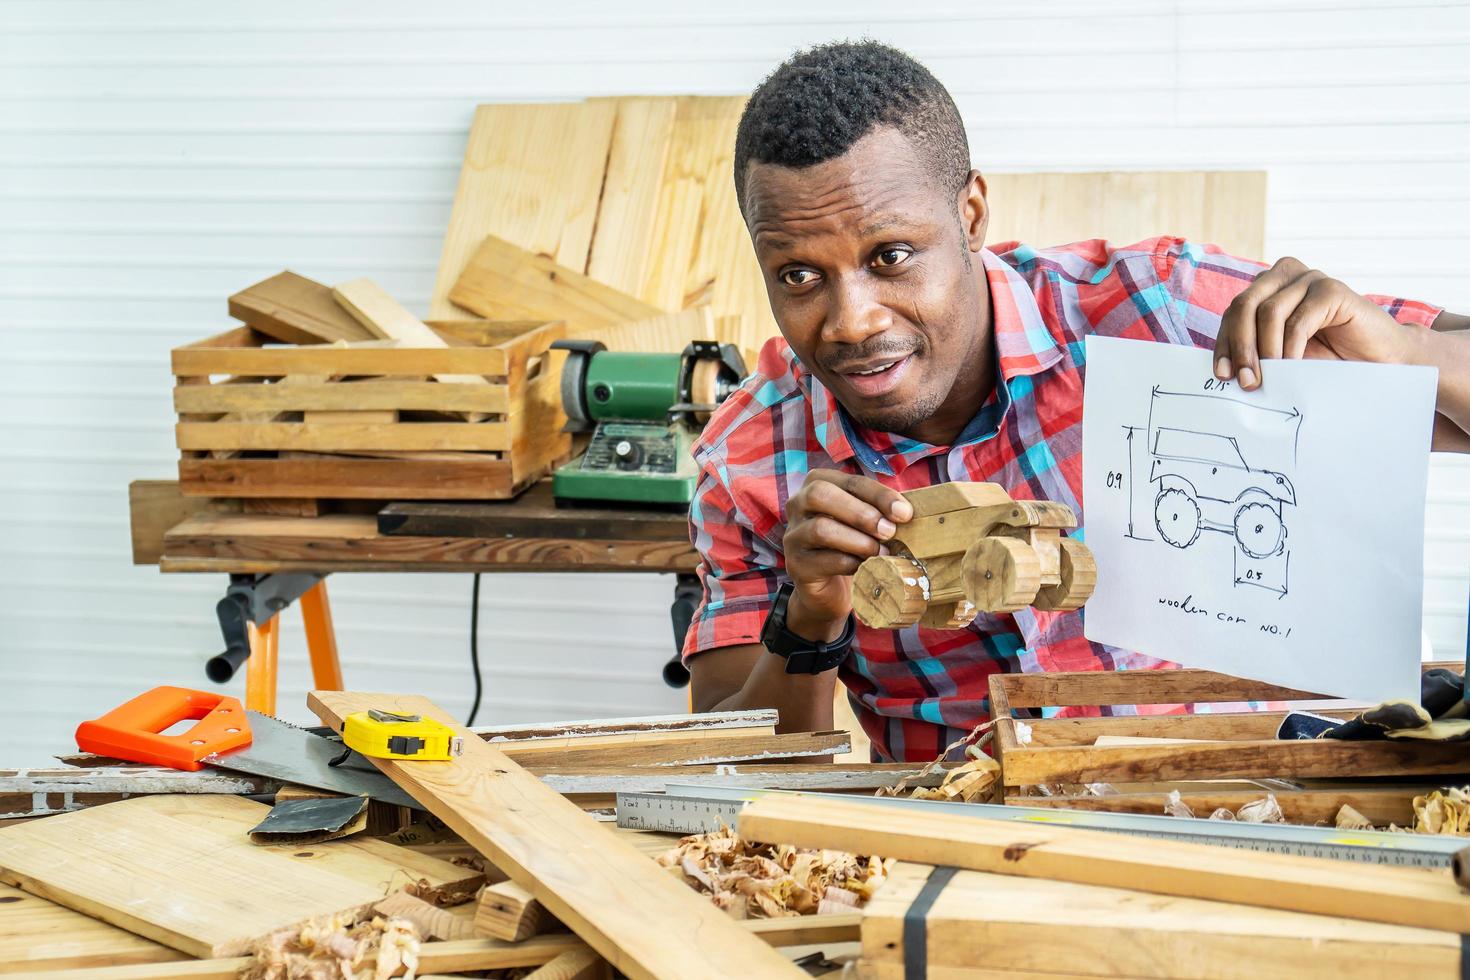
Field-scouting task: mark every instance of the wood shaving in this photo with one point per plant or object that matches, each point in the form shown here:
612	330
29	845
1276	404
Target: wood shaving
1441	812
1350	819
974	782
974	742
1174	806
765	881
346	946
1257	811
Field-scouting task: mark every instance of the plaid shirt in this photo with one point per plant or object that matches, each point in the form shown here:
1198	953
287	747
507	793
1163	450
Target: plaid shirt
916	690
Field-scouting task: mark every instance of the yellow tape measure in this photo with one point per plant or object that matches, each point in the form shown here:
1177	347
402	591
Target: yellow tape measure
385	735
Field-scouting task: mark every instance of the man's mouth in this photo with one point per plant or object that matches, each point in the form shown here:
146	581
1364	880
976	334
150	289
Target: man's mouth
877	377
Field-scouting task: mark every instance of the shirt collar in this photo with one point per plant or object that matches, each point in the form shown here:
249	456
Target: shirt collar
1024	347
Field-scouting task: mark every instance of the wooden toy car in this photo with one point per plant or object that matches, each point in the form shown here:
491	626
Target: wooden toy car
971	548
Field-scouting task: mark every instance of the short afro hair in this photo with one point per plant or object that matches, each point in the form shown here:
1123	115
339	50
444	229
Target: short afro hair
821	101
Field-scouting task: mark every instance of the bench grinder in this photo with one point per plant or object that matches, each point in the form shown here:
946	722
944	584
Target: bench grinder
643	411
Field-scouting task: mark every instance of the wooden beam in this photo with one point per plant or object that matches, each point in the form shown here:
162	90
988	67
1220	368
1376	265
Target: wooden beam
1402	896
595	883
1006	923
682	751
508	912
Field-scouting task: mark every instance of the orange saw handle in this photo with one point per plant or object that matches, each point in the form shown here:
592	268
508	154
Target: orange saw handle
133	731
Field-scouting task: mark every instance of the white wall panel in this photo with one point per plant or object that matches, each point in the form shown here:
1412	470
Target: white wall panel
156	156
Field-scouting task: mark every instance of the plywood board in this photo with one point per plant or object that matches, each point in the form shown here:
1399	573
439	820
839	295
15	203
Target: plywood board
1224	208
180	870
532	174
641	919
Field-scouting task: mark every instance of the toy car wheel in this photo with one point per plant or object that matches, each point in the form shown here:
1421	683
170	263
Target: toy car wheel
1177	516
1259	531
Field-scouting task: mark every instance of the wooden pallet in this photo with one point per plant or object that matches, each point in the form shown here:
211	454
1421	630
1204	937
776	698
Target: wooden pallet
393	429
1214	759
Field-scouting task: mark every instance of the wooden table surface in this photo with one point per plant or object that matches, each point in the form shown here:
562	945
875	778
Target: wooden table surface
526	534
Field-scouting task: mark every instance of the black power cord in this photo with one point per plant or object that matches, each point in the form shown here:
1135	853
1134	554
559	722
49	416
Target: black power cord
475	647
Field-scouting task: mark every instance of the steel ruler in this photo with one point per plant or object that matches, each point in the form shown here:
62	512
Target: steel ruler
697	809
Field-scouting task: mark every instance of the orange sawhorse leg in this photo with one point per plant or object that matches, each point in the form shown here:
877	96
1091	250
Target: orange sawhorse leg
260	669
321	639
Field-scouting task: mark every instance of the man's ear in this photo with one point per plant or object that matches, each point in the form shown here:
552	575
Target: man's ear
974	210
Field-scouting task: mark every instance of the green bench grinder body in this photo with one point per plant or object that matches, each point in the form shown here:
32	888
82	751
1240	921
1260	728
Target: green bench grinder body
643	411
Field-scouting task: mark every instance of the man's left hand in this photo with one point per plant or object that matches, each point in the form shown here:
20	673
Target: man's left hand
1291	311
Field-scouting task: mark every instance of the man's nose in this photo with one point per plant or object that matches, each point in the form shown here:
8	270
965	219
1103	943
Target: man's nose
855	313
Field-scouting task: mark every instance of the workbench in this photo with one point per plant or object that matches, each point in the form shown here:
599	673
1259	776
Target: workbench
273	561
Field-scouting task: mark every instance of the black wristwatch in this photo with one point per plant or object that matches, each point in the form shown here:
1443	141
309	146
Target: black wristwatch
803	656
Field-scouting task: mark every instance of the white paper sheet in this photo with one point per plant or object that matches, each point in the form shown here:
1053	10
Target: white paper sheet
1275	534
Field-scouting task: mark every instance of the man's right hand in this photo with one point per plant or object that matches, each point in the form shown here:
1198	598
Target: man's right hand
832	523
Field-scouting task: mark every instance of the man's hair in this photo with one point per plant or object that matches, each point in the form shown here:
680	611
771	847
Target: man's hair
821	101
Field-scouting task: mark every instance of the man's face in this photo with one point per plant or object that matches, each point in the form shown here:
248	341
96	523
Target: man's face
867	263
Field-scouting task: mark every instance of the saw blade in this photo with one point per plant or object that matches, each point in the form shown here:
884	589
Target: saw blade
280	750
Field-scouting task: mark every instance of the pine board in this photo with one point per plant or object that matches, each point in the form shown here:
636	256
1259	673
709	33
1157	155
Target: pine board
36	934
532	174
1010	923
640	918
295	310
1400	896
180	870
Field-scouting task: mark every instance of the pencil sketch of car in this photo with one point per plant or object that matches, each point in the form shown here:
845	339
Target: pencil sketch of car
1205	482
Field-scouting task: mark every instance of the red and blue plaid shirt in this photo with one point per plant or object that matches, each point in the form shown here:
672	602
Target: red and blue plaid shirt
915	690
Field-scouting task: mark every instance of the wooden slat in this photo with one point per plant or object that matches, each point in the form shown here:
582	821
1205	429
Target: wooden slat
1225	208
1184	685
577	964
154	506
346	396
703	721
1402	896
1322	758
595	780
460	436
1252	725
683	751
1309	807
502	281
349	479
367	361
383	317
532	174
346	542
1011	923
182	871
630	189
295	310
596	884
39	792
36	934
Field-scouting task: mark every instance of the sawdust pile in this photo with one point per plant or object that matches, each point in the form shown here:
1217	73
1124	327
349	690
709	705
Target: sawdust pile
1265	810
346	946
1441	812
764	881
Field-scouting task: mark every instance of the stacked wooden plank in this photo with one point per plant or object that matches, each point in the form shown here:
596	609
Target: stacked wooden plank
983	899
343	394
1222	758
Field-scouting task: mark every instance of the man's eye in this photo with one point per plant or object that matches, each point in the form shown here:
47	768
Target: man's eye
891	256
798	277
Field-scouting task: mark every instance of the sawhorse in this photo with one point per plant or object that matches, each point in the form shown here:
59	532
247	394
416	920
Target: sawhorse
249	617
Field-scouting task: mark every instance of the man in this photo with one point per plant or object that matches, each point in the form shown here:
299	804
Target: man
913	355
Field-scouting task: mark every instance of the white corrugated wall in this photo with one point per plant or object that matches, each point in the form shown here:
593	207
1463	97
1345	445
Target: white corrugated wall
156	156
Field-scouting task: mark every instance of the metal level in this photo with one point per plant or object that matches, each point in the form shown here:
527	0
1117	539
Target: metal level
696	809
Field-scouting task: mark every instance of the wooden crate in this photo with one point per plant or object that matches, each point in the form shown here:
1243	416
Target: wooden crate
1225	759
501	437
